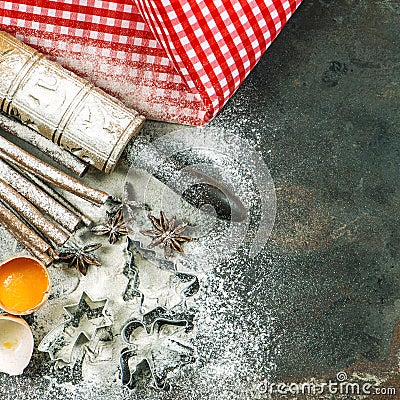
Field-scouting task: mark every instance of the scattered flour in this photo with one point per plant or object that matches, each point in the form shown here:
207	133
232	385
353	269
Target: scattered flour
232	336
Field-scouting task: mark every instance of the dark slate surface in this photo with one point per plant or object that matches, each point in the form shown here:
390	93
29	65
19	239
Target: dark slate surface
323	107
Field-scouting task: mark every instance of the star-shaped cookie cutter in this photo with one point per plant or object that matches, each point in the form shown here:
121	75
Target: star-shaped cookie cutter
85	318
155	349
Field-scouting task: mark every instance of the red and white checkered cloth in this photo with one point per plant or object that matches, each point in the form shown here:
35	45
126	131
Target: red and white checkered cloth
172	60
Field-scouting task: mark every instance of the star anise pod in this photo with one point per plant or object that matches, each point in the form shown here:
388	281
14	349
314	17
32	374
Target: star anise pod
166	234
80	258
115	227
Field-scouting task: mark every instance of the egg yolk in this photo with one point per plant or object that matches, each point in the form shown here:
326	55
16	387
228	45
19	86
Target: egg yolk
11	345
23	283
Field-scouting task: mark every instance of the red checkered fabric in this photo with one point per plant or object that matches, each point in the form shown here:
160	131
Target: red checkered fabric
172	60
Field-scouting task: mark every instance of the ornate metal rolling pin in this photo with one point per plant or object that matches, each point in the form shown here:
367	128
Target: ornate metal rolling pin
92	125
55	152
15	155
39	198
64	108
31	214
26	236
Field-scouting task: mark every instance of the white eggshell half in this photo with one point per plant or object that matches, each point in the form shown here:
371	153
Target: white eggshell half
16	344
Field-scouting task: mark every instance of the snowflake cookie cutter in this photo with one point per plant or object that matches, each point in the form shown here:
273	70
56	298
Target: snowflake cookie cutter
155	349
85	319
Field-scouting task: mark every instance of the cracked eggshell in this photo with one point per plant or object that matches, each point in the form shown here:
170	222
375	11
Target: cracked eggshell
16	344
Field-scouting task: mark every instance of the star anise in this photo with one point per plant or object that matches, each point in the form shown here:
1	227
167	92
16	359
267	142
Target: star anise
115	227
80	257
166	234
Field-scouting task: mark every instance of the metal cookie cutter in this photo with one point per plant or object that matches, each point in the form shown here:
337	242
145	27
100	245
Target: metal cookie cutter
156	349
169	288
85	319
153	342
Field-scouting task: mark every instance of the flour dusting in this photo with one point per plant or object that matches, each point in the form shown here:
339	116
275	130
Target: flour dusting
231	341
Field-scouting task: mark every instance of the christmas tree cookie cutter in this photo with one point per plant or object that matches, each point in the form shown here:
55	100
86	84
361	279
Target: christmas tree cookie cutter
161	275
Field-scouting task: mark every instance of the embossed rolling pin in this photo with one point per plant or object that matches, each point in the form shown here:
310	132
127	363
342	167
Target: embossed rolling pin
63	107
92	125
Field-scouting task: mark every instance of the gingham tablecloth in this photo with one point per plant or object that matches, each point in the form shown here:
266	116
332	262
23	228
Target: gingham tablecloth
172	60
